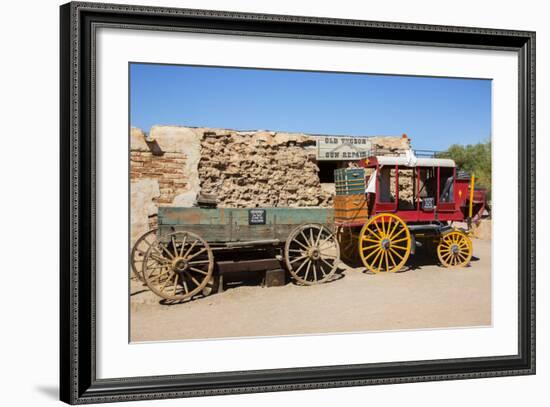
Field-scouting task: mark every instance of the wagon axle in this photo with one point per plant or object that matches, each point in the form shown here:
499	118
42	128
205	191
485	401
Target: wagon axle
180	265
314	253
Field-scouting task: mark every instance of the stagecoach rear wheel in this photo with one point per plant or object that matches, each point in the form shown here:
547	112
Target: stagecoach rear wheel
139	250
384	243
179	268
348	238
312	254
455	250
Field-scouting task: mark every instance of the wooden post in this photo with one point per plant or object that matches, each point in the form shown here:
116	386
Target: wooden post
396	188
472	183
417	191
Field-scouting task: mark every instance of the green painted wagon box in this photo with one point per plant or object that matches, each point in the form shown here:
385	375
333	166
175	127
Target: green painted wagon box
223	225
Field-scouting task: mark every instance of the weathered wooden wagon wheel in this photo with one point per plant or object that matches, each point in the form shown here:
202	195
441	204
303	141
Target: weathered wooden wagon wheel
179	268
455	250
348	238
139	250
384	243
312	254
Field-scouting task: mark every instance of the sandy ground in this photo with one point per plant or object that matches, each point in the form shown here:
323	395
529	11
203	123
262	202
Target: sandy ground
425	296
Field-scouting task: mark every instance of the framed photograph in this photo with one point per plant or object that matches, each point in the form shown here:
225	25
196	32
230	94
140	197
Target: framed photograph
256	203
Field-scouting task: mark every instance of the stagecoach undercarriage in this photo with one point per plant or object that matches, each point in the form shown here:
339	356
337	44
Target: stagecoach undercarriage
385	244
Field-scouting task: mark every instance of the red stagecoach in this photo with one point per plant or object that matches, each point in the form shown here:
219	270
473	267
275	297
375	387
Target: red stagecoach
391	204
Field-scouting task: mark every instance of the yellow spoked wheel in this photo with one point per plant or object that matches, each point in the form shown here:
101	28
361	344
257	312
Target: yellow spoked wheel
455	250
384	243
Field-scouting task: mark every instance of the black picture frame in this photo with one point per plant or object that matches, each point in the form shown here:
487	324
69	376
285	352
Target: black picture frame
78	382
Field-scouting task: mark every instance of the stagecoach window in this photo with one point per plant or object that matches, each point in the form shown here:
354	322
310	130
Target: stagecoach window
446	183
386	184
427	183
427	187
407	188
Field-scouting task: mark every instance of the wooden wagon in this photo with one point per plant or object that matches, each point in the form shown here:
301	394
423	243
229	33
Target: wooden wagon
183	257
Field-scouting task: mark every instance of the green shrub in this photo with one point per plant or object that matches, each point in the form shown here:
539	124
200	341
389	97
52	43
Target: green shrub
474	158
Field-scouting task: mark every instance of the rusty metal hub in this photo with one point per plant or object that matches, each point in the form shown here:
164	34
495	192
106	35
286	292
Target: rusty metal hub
313	253
180	264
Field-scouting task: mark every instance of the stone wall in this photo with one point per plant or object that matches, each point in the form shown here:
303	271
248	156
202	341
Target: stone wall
383	145
261	169
172	165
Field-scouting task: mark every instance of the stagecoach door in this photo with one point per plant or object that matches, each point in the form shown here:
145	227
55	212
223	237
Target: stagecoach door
446	181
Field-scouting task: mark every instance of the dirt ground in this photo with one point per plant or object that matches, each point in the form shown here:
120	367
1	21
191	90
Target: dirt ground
424	296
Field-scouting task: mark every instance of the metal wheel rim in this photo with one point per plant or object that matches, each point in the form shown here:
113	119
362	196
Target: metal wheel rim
179	269
312	254
455	250
139	250
384	243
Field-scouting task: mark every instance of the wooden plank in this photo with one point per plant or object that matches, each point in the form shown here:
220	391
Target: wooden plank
240	216
350	202
219	233
219	225
226	266
349	208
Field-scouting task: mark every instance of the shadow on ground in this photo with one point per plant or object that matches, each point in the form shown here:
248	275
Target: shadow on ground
51	392
422	258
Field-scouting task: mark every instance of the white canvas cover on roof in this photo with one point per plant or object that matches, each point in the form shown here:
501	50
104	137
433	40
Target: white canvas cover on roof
410	160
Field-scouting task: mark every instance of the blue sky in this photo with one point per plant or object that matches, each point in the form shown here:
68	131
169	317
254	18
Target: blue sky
433	112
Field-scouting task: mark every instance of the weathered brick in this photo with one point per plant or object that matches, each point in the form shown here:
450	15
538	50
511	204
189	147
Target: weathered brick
174	165
178	171
140	158
175	155
157	164
173	176
152	174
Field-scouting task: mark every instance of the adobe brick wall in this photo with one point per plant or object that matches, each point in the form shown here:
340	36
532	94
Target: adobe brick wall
163	171
167	169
